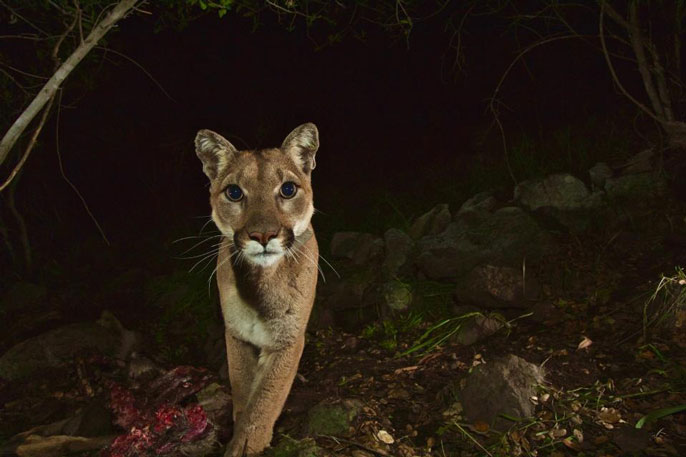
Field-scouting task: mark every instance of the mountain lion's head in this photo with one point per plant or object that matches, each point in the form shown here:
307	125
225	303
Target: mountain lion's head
261	199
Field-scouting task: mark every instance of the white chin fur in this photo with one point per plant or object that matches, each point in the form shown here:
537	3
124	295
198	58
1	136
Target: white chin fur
264	257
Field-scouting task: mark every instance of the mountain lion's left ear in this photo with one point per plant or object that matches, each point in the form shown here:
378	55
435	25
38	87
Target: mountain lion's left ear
302	144
214	151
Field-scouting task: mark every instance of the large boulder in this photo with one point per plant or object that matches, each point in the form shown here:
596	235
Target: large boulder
492	286
55	347
346	300
389	296
561	191
599	173
398	247
503	386
397	296
481	202
504	237
561	197
634	189
359	247
432	222
349	290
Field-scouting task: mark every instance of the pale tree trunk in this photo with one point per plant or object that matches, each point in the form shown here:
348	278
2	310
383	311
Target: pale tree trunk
50	88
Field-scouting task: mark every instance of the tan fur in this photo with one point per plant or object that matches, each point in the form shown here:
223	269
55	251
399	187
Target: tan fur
266	290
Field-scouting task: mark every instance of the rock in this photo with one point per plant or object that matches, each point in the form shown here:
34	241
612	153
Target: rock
506	237
60	345
349	290
397	252
359	247
503	386
634	189
599	173
640	162
490	286
481	202
397	296
59	445
476	328
561	191
289	447
129	339
327	418
561	197
431	223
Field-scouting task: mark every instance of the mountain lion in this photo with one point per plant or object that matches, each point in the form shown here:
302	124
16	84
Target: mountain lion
266	271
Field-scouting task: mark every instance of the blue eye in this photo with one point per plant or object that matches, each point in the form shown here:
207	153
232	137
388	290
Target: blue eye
234	193
288	189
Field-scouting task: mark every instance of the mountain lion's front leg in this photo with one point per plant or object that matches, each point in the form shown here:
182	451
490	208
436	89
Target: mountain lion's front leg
273	379
242	359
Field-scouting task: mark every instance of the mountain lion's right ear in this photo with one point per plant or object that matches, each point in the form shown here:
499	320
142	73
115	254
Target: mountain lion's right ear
302	144
214	151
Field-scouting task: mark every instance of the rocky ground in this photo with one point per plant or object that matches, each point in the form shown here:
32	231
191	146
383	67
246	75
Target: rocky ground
545	322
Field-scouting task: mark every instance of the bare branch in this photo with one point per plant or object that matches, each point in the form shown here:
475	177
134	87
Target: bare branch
637	43
492	103
14	80
22	72
661	82
29	147
614	15
141	68
51	87
26	21
46	111
611	67
69	182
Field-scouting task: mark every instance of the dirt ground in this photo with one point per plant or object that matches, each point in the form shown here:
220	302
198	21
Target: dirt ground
604	372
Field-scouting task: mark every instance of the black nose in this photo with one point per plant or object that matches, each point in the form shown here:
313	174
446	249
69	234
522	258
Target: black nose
262	237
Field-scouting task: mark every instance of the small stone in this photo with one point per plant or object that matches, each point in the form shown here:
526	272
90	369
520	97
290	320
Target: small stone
335	419
385	437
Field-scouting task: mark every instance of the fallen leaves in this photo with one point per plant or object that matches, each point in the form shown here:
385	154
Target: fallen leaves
608	417
585	343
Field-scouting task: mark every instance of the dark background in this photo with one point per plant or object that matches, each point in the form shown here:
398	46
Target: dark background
401	128
393	120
